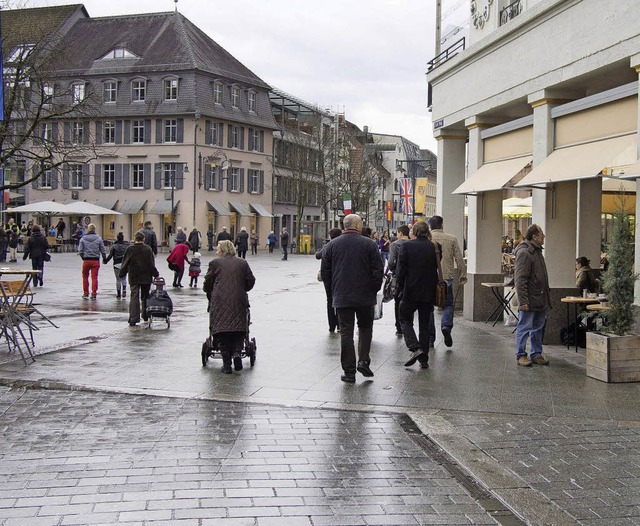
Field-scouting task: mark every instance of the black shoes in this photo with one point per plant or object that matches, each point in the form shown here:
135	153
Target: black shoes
350	378
446	332
237	363
364	369
226	369
414	357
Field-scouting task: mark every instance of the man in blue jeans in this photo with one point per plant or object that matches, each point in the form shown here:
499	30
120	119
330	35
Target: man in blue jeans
451	254
532	287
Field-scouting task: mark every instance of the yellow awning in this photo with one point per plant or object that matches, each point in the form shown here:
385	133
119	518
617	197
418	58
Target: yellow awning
583	161
493	176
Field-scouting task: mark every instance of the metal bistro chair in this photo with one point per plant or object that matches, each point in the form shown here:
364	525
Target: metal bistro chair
13	314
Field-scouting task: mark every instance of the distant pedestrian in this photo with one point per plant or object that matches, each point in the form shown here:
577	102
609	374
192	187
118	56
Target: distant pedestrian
226	284
242	243
534	297
195	239
36	249
116	252
194	269
60	228
224	236
90	249
394	248
284	243
271	241
210	237
332	315
181	236
254	243
139	264
384	243
14	241
150	238
4	243
351	264
176	260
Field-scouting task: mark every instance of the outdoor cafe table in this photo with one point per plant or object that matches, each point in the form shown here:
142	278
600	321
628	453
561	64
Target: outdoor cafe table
504	302
575	301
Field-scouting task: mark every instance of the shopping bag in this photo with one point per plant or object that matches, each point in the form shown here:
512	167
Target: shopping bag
377	313
441	294
389	288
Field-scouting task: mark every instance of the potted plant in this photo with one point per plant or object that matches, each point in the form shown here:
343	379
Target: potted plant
614	355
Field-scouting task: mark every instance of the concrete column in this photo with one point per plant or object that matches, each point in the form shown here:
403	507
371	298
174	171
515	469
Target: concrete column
589	219
451	174
635	63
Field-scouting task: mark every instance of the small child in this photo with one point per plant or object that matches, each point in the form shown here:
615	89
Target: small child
194	269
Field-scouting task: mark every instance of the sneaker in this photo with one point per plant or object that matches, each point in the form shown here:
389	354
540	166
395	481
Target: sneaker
446	332
524	361
93	297
85	296
414	357
364	369
540	360
350	378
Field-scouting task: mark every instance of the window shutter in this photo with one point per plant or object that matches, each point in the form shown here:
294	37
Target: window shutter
179	177
126	178
250	139
118	132
34	171
37	134
220	179
180	130
99	132
242	137
85	132
67	132
208	133
54	130
158	131
261	140
97	180
229	136
207	177
65	177
119	176
147	176
261	183
221	134
241	176
127	132
55	174
157	179
85	176
147	131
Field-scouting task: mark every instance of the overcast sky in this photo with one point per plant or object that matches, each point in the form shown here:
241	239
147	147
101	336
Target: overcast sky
367	58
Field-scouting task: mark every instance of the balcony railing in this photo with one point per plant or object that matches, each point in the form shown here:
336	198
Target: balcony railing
510	12
447	54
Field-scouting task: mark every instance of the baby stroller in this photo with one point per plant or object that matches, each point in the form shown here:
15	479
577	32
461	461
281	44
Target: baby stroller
159	304
211	346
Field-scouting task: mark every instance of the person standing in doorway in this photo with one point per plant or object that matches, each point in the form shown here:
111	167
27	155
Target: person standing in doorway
352	266
90	249
534	297
451	254
284	243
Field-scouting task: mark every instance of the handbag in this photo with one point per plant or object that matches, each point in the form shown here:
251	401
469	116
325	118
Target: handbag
173	266
389	288
47	256
441	295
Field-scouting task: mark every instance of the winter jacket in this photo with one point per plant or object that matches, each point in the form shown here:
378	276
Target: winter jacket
150	239
531	279
139	264
417	271
242	241
194	240
91	247
224	236
36	246
181	237
284	239
450	252
351	263
116	252
226	284
179	255
194	267
271	239
586	280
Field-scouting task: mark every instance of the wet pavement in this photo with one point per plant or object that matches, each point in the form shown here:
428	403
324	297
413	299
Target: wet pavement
554	446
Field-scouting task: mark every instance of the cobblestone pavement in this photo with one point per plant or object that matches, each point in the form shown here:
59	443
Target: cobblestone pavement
73	458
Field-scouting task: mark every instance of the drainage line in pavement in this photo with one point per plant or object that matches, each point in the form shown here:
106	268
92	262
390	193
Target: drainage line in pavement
492	505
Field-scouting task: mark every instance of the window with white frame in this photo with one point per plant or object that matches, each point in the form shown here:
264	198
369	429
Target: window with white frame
109	132
46	179
109	91
253	181
137	175
255	140
139	90
119	52
78	93
47	94
252	101
47	131
235	143
234	179
75	175
108	176
217	92
170	130
137	132
171	89
168	175
213	177
77	133
235	96
214	133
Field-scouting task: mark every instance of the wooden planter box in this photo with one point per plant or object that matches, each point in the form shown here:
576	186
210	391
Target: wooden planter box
613	358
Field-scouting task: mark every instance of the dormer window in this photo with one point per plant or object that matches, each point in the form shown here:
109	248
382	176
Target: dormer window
235	96
171	89
217	92
119	52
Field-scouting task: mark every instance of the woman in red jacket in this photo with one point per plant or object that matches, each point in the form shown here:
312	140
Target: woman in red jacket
176	261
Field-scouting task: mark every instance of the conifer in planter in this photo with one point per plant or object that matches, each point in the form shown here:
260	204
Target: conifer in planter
614	356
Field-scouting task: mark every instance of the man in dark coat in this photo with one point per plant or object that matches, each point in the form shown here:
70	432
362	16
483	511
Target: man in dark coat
139	264
210	237
417	274
352	266
242	243
195	239
226	284
224	235
284	243
150	237
36	248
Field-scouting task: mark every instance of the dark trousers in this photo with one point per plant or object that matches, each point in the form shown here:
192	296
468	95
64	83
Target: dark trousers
346	319
270	248
242	254
230	345
139	294
332	316
37	263
396	309
210	245
406	311
254	249
284	251
177	277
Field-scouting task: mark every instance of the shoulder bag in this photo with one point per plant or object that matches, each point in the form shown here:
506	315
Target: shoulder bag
441	287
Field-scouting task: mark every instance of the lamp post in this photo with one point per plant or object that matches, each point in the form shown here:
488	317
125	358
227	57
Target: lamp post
426	165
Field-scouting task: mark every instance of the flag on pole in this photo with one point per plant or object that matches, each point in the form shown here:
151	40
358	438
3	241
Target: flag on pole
406	195
346	203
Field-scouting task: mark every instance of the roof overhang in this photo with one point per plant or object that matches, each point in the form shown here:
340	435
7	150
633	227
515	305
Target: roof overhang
494	176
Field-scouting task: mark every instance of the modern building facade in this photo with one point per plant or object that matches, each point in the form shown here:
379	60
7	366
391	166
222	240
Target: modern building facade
543	97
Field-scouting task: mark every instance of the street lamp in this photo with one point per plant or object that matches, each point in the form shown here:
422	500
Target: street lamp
426	165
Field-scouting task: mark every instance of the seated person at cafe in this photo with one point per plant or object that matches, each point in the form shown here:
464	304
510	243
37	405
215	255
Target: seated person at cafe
585	277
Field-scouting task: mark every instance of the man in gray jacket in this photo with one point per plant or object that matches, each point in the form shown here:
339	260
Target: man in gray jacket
532	287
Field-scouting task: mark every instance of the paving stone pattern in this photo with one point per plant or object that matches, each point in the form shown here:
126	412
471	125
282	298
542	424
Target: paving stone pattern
72	458
590	468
